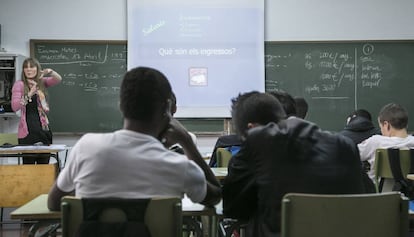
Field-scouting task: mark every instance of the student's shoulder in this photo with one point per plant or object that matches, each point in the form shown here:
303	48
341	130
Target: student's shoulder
292	125
93	139
374	140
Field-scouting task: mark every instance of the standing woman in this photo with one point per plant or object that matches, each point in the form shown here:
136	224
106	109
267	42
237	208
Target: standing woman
29	96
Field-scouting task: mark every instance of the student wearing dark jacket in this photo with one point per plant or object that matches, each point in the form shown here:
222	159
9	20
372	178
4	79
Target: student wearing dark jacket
280	156
359	126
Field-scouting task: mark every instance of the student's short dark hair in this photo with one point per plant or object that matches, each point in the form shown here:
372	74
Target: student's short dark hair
394	114
255	107
144	91
287	101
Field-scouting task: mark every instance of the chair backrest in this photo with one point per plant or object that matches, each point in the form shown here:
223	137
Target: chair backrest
377	214
21	183
382	168
163	216
223	157
8	138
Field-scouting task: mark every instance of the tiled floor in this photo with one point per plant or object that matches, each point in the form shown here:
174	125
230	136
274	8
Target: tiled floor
12	228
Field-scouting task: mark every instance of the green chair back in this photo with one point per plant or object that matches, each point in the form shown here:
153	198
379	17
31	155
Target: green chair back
163	216
362	215
10	138
382	167
223	157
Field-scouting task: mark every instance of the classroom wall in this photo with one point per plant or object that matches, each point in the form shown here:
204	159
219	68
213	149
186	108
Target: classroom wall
284	20
339	20
22	20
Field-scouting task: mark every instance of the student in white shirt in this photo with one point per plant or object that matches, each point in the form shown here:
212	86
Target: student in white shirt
393	121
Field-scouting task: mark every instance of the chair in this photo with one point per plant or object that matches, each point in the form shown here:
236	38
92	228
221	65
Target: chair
223	157
360	215
382	168
163	216
21	183
8	138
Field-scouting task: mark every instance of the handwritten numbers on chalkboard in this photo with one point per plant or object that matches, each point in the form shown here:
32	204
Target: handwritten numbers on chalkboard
368	49
342	76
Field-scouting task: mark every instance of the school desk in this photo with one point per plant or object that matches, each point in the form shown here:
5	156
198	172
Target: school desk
36	210
220	172
30	151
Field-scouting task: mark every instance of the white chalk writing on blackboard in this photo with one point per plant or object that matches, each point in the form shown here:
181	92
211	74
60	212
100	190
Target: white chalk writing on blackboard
328	69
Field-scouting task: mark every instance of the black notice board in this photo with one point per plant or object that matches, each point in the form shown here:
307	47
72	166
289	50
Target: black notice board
92	71
337	77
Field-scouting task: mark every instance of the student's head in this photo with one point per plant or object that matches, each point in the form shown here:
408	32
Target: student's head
359	113
254	108
287	101
145	94
301	107
392	116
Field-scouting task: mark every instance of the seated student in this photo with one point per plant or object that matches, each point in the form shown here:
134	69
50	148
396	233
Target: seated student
132	162
233	142
359	126
280	156
287	102
393	121
301	107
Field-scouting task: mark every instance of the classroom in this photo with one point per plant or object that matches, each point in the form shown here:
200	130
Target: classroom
284	21
296	23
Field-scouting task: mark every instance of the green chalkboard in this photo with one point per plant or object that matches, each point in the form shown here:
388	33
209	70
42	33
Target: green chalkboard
87	99
335	77
338	77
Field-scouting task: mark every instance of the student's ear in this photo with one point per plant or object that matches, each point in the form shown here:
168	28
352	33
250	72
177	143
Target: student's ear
252	125
170	109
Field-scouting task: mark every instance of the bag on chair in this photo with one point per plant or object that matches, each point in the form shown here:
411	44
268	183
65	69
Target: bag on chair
402	184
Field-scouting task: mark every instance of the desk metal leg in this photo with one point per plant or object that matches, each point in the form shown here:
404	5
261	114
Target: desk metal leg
210	225
49	229
213	226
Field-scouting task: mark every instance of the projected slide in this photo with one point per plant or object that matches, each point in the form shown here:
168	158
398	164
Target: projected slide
210	53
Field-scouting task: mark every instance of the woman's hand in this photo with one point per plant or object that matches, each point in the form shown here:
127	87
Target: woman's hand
46	71
32	86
